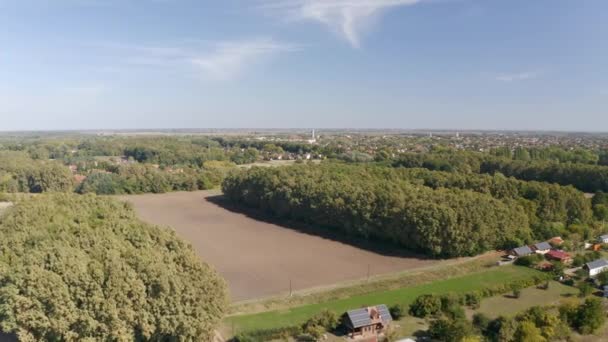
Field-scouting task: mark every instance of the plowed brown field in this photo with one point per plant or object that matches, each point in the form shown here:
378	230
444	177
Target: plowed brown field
260	258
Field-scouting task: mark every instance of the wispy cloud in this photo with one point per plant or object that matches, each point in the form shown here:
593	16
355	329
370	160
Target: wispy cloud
346	17
228	59
520	76
221	60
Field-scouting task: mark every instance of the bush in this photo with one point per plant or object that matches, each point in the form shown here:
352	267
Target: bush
585	289
473	300
529	260
590	316
481	322
425	305
267	334
397	311
326	319
516	292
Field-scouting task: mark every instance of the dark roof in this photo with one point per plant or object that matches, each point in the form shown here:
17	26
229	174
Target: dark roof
361	318
385	314
524	250
597	264
541	246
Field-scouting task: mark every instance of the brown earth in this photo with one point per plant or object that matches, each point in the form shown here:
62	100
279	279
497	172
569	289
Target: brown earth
259	258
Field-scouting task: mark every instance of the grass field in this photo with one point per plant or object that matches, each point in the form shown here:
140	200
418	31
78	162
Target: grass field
504	305
297	315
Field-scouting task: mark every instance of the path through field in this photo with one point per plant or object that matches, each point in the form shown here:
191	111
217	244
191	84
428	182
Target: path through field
258	258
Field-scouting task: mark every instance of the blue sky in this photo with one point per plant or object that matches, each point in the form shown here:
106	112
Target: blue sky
455	64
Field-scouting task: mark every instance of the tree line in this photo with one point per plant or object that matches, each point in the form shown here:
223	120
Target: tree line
145	178
20	173
84	268
583	176
378	203
546	204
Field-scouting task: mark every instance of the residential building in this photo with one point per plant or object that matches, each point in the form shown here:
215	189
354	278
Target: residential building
521	251
561	256
541	248
596	267
367	322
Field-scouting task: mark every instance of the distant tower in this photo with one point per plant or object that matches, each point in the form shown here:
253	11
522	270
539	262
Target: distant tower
430	134
313	135
457	135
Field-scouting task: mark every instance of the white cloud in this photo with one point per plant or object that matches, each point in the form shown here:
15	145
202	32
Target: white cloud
228	59
521	76
221	60
346	17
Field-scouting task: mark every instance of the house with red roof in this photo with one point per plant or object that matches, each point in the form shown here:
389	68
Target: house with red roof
558	255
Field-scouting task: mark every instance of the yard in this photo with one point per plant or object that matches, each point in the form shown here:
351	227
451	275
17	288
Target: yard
505	305
288	317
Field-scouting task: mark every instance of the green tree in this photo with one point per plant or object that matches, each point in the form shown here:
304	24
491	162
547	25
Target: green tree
528	332
82	267
590	316
425	305
585	289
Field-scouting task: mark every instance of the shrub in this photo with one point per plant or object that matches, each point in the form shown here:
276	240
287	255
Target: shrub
585	289
268	334
473	300
529	260
397	311
481	322
516	292
425	305
590	316
326	319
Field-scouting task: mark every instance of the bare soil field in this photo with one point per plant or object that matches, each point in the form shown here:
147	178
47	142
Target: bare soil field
260	258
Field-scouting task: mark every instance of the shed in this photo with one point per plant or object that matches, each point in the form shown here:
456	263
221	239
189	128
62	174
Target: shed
603	238
556	241
559	256
541	247
522	251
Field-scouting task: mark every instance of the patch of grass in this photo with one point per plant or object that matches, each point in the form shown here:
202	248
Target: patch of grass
504	305
294	316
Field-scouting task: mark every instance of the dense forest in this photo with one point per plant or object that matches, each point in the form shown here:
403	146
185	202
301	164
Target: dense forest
377	203
437	213
587	177
85	268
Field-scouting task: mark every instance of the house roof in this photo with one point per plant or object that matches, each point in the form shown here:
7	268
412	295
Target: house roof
524	250
361	317
597	264
557	240
603	237
558	254
542	246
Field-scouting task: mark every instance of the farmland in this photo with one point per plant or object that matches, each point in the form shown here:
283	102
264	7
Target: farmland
405	295
260	258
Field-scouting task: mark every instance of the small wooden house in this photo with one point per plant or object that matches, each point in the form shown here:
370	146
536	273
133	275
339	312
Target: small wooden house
541	248
561	256
367	322
521	251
